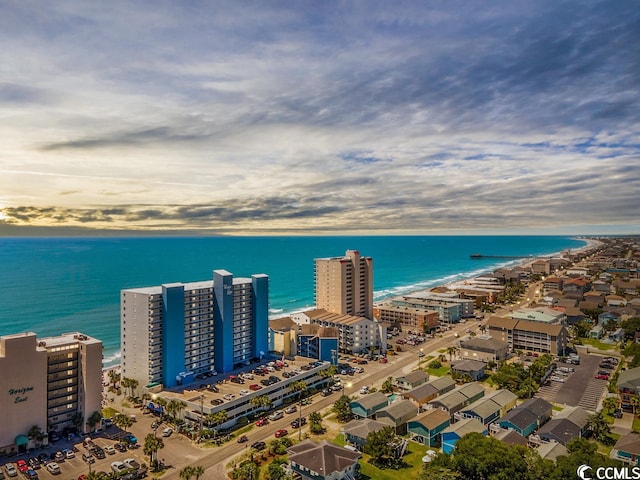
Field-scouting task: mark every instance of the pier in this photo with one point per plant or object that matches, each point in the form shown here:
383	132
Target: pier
477	256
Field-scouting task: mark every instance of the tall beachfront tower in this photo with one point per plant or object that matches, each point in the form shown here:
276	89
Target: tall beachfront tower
49	382
171	332
344	285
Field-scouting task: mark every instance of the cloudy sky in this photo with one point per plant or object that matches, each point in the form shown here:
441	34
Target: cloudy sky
308	117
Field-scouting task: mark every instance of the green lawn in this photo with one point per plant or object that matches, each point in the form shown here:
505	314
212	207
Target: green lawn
598	344
438	372
636	424
413	457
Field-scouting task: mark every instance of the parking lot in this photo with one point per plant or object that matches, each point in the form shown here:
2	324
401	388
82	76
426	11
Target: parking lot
73	465
578	388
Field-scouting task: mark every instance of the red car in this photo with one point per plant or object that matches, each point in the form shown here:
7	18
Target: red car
262	421
602	377
383	360
22	465
255	387
281	433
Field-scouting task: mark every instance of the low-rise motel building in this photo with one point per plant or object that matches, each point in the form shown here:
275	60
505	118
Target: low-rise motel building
46	382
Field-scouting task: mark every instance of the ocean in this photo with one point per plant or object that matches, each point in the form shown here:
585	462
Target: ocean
55	285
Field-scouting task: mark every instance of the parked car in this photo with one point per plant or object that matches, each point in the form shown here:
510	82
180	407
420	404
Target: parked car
167	432
31	474
259	445
217	401
109	449
281	433
54	468
121	447
34	463
262	421
602	377
229	396
364	390
255	387
87	457
617	413
22	465
11	470
291	409
277	415
243	439
68	453
298	422
118	467
131	463
244	393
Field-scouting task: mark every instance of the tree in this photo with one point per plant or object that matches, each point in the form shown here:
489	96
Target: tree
275	470
123	421
635	403
387	385
300	387
609	404
342	409
114	377
94	419
198	471
247	470
186	473
151	446
599	426
379	445
315	423
36	434
262	401
451	351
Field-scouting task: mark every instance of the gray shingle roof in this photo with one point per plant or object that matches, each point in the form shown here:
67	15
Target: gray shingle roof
324	458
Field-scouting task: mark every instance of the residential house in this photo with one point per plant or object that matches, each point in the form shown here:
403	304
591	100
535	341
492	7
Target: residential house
356	431
627	449
617	335
323	461
510	437
539	314
576	287
565	426
490	408
540	267
483	348
455	432
596	332
595	296
574	315
527	417
615	301
367	406
551	451
552	283
397	415
606	317
601	286
577	272
457	399
427	427
473	368
412	380
426	392
628	387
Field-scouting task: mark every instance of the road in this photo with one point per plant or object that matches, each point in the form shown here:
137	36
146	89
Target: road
215	461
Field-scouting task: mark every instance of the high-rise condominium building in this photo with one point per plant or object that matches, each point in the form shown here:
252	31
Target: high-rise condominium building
344	285
51	383
174	331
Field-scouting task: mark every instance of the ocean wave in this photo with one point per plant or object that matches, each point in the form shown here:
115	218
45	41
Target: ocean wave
276	310
112	359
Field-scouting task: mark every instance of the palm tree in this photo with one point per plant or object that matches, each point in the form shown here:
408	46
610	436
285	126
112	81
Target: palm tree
94	419
123	421
451	351
186	473
483	328
36	434
262	401
300	386
609	404
172	407
114	377
198	471
151	446
599	426
77	421
387	385
635	403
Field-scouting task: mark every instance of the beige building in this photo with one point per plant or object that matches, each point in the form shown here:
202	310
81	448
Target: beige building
344	285
418	319
48	383
529	336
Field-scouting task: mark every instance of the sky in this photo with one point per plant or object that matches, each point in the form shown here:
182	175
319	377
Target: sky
308	117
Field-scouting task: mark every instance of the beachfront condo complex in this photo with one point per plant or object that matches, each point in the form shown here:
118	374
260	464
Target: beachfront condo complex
172	332
344	285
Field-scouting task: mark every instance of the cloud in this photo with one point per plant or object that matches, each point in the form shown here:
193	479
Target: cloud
277	116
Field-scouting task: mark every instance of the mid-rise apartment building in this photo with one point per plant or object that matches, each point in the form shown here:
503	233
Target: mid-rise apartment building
171	332
52	383
344	285
450	308
355	334
409	318
529	336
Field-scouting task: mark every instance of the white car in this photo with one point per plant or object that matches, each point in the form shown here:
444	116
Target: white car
244	392
167	432
11	469
53	468
247	376
277	415
131	463
109	449
364	390
229	396
118	467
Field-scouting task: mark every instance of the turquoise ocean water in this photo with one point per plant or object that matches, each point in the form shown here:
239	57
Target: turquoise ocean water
56	285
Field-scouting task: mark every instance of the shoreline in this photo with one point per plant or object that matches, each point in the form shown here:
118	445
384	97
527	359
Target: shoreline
590	243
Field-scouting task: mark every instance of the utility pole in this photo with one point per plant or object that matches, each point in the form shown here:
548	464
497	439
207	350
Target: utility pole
201	417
